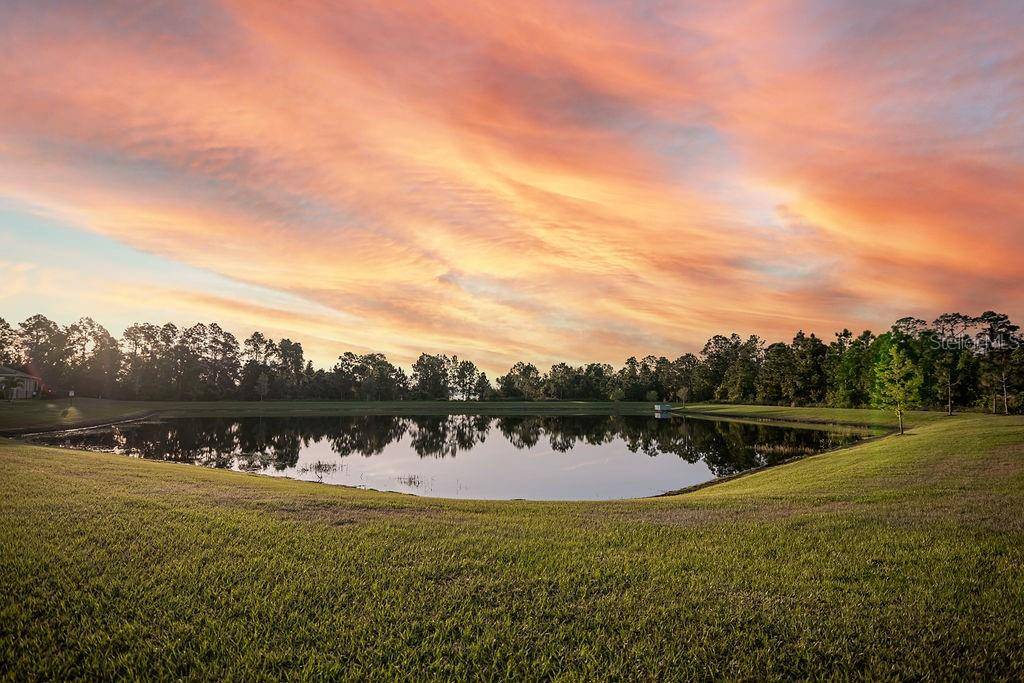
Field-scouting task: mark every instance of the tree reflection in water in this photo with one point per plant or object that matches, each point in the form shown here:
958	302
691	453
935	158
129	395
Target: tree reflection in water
262	443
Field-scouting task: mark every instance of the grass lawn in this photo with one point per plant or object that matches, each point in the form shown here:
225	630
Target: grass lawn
84	411
21	415
851	416
901	557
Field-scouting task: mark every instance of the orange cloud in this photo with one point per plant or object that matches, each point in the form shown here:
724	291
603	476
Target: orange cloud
539	180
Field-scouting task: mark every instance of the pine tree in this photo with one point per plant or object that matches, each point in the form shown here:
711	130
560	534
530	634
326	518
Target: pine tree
897	382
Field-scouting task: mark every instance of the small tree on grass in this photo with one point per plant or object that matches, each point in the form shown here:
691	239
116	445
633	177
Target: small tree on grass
262	385
897	382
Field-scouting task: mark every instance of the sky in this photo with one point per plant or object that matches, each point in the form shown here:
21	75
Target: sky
543	181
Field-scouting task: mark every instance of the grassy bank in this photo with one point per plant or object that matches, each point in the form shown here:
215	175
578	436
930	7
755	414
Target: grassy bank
900	557
84	411
20	415
824	416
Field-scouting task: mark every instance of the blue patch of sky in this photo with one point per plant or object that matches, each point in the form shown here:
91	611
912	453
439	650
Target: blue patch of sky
28	237
693	153
202	28
218	176
781	269
702	160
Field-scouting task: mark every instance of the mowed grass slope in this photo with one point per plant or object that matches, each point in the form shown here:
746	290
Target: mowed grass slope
822	416
899	557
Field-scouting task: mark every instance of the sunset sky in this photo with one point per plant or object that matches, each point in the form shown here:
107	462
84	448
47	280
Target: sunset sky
542	181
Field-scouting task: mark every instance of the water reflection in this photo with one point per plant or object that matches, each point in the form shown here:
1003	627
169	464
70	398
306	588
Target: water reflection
474	456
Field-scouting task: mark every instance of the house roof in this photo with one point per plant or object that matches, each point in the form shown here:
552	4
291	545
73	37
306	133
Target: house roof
11	372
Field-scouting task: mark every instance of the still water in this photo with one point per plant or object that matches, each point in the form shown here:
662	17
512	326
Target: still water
469	456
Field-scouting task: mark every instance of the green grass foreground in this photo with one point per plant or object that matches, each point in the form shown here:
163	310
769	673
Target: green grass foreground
901	557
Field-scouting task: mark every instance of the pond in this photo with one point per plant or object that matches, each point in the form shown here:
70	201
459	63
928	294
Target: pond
469	456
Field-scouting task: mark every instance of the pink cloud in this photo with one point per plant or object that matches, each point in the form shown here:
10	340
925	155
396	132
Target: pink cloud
507	181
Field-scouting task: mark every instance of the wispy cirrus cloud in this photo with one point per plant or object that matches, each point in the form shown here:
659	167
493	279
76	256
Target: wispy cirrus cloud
559	180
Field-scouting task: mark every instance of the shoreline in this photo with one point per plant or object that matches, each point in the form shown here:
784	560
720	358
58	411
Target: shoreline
26	434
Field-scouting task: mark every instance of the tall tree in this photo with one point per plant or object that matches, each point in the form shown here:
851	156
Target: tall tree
909	326
809	354
167	362
953	352
189	353
289	366
629	382
44	345
9	354
898	382
997	339
776	383
717	355
378	380
740	380
430	377
259	377
836	380
93	359
595	382
686	379
482	389
141	354
563	381
260	349
462	376
223	362
523	381
1017	373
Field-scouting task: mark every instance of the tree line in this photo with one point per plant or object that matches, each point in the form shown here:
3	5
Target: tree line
955	361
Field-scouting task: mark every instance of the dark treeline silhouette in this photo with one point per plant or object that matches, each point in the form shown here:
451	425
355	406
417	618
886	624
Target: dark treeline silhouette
256	444
954	361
